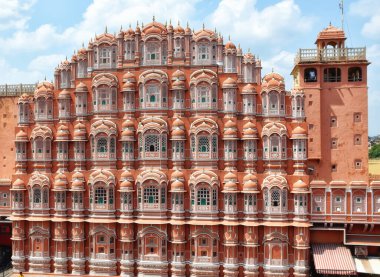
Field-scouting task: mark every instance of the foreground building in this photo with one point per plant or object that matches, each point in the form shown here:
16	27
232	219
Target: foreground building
162	151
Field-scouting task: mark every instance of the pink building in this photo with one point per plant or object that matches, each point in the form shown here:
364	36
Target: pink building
162	151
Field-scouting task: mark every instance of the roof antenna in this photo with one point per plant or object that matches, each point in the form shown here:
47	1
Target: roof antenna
342	12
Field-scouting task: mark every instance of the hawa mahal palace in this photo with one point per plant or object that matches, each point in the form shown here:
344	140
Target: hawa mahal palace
163	151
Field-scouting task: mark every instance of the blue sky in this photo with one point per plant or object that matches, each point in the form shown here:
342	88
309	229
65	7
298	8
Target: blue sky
35	35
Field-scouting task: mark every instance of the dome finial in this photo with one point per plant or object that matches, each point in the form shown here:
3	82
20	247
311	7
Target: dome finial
154	18
330	24
229	37
187	24
203	25
249	50
121	28
272	69
178	23
45	77
82	44
106	31
137	25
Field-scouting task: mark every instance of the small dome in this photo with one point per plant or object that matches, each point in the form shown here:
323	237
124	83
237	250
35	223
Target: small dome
126	175
127	133
128	124
81	87
18	183
177	185
64	94
230	133
178	123
60	176
21	136
250	176
78	175
178	175
250	185
230	176
79	126
230	45
178	85
248	89
249	125
229	83
178	75
76	184
178	133
126	185
230	124
179	30
128	76
230	186
300	185
299	133
128	86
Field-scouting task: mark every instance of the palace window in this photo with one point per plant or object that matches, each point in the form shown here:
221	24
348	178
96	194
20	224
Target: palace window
310	75
229	100
105	57
318	203
43	109
23	113
129	53
105	99
82	69
274	147
332	74
41	149
152	53
249	104
250	203
204	198
101	197
65	79
355	74
338	202
275	200
81	104
230	64
298	110
248	73
273	103
250	150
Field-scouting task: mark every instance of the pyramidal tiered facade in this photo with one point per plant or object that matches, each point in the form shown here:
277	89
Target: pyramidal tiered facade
162	151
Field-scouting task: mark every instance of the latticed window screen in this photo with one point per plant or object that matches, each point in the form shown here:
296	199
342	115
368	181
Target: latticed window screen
214	144
203	197
110	193
284	195
163	145
204	144
275	198
112	145
100	195
214	197
102	145
45	197
152	143
151	195
266	197
36	195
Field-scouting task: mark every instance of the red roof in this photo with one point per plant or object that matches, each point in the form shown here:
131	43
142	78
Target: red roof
333	259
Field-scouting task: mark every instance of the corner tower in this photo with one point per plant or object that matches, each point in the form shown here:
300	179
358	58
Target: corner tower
334	81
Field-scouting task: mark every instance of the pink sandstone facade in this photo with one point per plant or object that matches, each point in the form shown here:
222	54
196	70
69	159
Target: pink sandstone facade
162	151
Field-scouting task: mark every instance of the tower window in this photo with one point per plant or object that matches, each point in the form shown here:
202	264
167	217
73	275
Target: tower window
357	140
334	168
355	74
358	164
332	74
310	75
357	117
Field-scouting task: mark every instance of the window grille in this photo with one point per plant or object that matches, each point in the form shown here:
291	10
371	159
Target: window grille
151	195
100	195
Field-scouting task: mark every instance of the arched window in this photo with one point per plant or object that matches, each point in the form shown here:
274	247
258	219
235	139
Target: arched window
310	75
43	108
102	145
37	195
275	200
105	99
129	47
100	195
230	63
250	150
152	53
105	57
332	74
81	104
65	78
203	197
152	139
151	195
250	203
82	69
355	74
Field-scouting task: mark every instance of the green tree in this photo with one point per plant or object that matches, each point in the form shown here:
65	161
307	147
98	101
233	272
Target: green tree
374	152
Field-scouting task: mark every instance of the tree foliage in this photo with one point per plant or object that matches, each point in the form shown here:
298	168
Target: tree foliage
374	152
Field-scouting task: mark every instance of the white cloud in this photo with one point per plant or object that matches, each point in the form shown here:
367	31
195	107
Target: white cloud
282	63
243	20
13	75
12	14
41	63
369	9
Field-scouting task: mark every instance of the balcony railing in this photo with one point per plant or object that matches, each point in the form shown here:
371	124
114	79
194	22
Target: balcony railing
331	54
16	90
